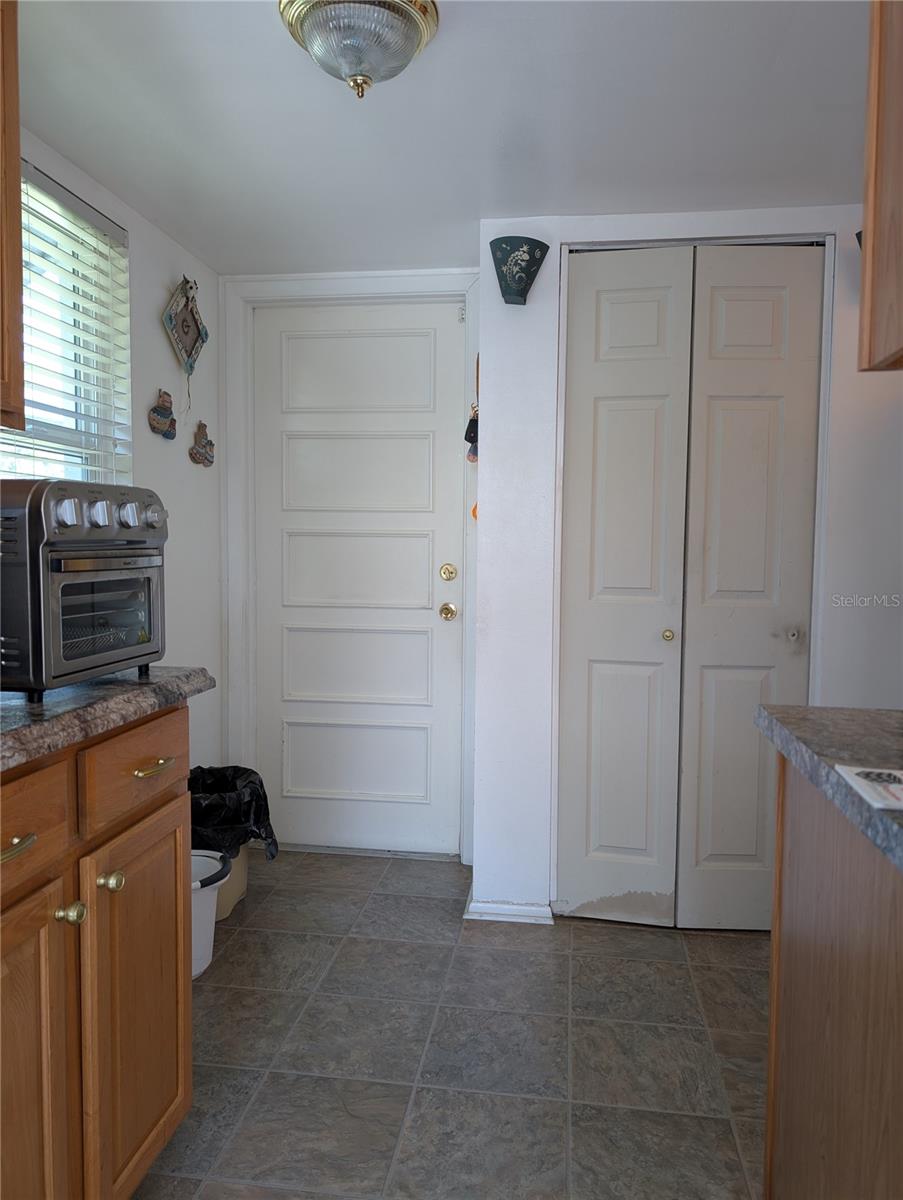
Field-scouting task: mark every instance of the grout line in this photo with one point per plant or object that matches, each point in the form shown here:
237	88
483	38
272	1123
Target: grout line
393	1161
746	1175
569	1121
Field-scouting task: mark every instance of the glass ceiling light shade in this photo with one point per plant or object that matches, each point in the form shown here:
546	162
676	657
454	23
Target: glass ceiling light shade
361	41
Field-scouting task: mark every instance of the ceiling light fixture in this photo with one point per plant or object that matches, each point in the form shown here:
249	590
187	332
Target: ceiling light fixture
361	41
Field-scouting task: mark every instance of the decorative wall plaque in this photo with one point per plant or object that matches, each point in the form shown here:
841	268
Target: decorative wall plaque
186	330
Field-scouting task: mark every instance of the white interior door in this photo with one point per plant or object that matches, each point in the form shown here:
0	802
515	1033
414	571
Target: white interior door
628	357
753	444
359	421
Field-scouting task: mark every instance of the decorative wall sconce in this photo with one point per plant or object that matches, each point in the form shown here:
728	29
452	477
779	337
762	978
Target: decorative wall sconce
517	262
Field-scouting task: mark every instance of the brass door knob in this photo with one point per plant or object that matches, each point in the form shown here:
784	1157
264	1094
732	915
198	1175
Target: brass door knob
114	881
668	635
448	612
448	572
72	914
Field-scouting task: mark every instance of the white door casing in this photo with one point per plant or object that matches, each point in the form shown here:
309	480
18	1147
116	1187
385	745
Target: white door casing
359	413
753	452
626	413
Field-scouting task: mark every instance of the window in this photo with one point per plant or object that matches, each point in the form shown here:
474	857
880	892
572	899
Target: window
78	409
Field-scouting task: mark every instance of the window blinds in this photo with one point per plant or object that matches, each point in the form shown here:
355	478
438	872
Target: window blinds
78	412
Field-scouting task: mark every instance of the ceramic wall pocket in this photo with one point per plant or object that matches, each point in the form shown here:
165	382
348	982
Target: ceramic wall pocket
160	416
201	452
517	261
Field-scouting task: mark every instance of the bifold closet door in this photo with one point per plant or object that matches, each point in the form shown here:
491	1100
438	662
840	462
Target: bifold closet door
628	359
750	522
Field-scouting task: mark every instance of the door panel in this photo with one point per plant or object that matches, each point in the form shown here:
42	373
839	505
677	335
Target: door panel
35	1159
753	443
136	997
359	418
622	576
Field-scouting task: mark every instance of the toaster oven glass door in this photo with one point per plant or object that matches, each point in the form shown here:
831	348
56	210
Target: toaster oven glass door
104	617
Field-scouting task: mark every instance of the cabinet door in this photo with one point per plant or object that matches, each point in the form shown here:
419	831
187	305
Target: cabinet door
12	403
136	998
33	1066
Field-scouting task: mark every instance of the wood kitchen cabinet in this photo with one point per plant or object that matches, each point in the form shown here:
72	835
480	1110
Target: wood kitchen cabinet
96	944
881	309
12	399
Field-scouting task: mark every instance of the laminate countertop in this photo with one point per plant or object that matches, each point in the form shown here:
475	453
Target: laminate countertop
73	714
814	739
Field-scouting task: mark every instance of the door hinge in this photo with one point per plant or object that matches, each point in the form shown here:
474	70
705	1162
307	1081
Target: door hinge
462	314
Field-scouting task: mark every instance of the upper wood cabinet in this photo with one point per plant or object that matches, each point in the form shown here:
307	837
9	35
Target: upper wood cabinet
12	400
881	310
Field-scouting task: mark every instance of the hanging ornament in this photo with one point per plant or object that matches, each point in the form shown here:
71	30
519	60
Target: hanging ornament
160	417
201	452
186	330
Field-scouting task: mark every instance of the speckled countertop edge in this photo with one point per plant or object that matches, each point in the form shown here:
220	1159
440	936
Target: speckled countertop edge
814	739
85	710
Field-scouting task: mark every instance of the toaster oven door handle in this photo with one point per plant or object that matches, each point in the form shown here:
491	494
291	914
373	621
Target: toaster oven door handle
125	563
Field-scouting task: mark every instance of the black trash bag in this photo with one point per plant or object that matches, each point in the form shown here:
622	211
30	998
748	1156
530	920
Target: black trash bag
228	808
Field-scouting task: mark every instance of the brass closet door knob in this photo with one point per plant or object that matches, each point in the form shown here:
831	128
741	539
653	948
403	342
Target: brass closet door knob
448	612
448	572
668	635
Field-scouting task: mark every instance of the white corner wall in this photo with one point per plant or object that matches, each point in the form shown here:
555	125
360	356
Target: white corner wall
858	653
194	593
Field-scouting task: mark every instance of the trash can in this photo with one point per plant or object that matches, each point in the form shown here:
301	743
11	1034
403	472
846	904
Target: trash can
209	871
229	808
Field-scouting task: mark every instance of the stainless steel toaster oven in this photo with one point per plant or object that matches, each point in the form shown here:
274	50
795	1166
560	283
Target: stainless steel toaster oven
81	581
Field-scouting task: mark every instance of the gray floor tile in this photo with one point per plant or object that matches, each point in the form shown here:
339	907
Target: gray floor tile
623	1154
333	1135
457	1146
221	935
167	1187
411	918
517	980
730	949
498	1052
517	935
357	872
735	999
393	970
268	959
240	1027
646	1066
254	897
359	1038
308	910
620	989
421	877
626	941
252	1191
744	1068
220	1097
281	869
751	1137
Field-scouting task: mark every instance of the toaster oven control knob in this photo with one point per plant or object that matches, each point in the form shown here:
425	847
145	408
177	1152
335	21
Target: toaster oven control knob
129	515
156	515
99	513
68	512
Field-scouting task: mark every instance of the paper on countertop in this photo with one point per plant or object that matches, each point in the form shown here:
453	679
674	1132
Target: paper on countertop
882	787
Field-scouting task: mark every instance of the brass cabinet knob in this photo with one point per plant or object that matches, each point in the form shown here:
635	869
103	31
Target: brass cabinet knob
448	572
668	635
161	764
448	612
72	914
114	881
17	846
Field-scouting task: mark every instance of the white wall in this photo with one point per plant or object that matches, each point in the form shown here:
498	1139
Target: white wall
859	653
191	493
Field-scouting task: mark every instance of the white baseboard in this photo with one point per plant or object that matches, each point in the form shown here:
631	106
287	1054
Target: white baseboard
491	910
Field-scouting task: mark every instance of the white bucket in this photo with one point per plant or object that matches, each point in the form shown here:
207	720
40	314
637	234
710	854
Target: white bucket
209	871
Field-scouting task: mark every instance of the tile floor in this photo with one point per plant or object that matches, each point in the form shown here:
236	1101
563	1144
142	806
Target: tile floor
354	1037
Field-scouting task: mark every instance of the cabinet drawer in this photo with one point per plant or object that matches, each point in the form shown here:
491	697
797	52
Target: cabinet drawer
125	772
39	810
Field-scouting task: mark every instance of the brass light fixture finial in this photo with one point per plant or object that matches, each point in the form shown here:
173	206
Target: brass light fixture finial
361	41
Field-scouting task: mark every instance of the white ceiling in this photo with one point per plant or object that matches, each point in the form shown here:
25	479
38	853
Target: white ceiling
209	120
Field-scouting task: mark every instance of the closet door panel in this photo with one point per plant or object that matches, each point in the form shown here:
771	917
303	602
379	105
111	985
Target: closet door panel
626	415
751	505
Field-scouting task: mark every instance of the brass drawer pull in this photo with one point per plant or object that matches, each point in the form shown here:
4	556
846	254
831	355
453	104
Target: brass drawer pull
162	764
17	846
113	881
72	914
